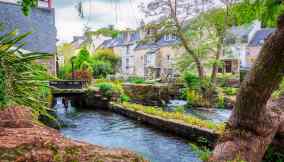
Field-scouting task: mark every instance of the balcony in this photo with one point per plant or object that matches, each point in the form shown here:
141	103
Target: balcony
41	3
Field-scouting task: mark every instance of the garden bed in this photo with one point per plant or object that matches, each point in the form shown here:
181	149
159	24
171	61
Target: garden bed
194	133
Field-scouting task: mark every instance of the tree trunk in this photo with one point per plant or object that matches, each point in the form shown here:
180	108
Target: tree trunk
253	125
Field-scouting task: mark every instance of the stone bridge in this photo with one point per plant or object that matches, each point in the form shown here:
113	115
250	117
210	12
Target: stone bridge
67	87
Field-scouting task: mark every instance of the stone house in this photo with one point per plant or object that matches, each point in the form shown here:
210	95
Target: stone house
41	22
243	44
256	43
156	59
151	59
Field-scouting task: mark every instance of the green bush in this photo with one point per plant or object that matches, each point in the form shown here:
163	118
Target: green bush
192	80
221	101
230	91
124	98
203	153
111	89
279	91
106	89
2	88
180	109
108	56
136	80
101	69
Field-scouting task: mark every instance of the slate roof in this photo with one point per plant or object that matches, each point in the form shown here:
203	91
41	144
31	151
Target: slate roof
41	22
160	43
240	32
260	36
119	41
135	38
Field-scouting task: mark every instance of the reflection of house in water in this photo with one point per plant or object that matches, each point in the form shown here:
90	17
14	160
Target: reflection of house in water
41	22
243	44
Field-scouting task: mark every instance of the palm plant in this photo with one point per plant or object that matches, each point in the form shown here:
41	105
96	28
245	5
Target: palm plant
22	81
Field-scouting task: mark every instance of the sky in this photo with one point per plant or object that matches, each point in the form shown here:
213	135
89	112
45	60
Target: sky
98	13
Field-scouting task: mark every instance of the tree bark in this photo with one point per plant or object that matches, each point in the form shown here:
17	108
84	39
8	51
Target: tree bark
253	125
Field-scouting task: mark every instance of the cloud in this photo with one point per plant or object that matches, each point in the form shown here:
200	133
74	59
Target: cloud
98	13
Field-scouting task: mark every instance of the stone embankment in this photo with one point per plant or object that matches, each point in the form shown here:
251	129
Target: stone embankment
22	139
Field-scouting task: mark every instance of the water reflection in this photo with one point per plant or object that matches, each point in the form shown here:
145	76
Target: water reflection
115	131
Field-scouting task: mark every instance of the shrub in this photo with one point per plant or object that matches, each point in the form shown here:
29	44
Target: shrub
107	55
194	98
230	91
22	81
203	153
124	98
180	109
136	80
111	89
279	91
106	89
101	69
192	80
221	101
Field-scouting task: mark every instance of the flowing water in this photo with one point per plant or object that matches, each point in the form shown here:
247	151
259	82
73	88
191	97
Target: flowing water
214	115
115	131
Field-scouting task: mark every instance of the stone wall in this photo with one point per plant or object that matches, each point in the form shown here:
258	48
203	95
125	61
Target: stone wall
153	95
193	133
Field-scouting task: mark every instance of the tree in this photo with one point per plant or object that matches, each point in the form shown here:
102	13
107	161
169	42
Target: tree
107	55
202	37
253	125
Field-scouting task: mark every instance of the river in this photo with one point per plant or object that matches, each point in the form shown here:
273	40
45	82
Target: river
115	131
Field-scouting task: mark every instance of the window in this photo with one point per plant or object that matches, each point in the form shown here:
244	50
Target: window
169	59
127	50
127	63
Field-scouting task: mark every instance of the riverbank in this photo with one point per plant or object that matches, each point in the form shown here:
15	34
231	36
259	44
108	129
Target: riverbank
172	124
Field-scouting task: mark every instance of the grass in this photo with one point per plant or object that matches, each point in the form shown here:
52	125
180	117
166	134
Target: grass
179	116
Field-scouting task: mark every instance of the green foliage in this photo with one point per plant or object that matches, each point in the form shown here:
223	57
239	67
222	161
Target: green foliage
203	153
136	80
279	91
180	109
182	117
220	101
273	155
27	5
24	82
266	11
82	58
101	69
105	88
111	89
230	91
108	32
2	88
194	98
107	55
124	98
192	80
